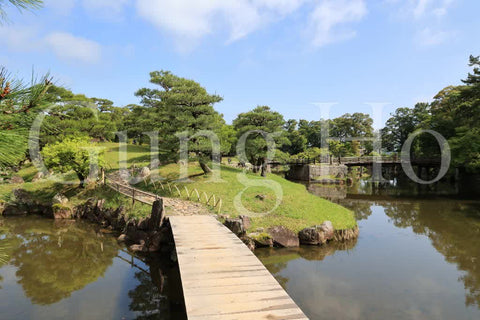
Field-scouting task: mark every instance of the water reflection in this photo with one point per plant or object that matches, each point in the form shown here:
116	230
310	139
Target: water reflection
417	258
54	270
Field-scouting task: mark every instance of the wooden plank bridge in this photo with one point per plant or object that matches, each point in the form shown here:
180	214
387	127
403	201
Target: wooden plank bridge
360	161
221	277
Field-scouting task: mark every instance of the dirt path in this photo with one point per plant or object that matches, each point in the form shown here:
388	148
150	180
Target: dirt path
173	206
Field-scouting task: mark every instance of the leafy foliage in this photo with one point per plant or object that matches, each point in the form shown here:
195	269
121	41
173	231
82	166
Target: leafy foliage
73	154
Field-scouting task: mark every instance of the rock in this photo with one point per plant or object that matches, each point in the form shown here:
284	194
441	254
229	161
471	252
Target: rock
246	222
236	226
155	241
283	237
122	238
124	176
99	205
138	248
16	180
312	236
249	243
59	199
143	224
2	206
38	176
261	239
154	164
22	196
61	212
12	210
136	236
144	172
327	228
261	196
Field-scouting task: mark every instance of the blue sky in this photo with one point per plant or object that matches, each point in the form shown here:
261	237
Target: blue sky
287	54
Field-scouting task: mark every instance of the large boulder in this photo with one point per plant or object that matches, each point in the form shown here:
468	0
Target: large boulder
328	229
60	199
22	196
261	239
16	180
283	237
235	225
312	236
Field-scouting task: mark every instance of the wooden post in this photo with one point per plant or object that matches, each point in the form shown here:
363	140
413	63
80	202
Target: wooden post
133	198
158	214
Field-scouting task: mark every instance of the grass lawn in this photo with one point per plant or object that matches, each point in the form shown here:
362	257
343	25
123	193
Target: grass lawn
138	155
298	208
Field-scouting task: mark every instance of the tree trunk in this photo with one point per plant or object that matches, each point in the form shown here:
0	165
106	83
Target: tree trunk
264	168
206	169
82	180
256	165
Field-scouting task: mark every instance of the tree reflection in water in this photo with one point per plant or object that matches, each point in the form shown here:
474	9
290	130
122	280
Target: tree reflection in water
454	229
55	258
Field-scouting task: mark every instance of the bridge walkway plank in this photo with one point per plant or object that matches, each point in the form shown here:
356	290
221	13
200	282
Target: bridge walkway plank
222	278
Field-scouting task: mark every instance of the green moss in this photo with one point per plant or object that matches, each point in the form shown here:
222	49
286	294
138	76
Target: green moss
260	236
60	206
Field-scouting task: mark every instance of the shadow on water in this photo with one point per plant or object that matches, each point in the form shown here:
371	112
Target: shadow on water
52	269
417	257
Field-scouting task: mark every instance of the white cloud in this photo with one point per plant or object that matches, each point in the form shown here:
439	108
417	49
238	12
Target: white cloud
420	7
195	19
64	45
329	14
63	7
69	47
188	21
429	37
424	8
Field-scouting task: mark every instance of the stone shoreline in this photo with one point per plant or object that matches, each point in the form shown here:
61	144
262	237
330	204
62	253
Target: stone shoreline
153	233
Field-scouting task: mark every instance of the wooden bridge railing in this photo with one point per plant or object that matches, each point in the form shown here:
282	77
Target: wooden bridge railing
134	193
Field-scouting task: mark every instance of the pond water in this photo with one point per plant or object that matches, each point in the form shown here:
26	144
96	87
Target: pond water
417	257
69	270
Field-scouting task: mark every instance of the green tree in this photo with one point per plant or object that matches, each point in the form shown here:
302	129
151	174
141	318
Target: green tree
181	105
73	154
72	114
259	119
404	122
348	126
295	142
